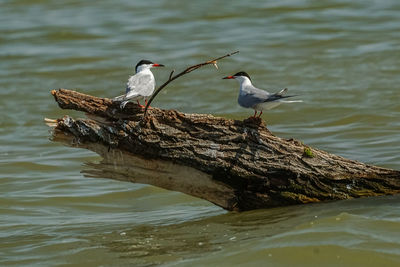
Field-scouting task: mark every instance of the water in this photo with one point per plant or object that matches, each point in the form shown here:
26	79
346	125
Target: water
342	57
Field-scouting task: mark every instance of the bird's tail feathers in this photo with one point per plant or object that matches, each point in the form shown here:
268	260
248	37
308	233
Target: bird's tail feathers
123	100
286	96
119	98
291	101
282	92
123	104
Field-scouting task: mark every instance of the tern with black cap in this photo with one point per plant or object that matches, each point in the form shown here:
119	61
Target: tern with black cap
257	99
141	85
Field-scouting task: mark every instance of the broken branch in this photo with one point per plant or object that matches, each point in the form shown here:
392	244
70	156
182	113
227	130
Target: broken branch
186	71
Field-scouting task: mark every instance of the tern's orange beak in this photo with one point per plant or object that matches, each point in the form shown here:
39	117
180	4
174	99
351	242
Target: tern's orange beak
158	65
229	77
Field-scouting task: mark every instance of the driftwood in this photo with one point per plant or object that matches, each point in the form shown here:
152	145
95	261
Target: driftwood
238	165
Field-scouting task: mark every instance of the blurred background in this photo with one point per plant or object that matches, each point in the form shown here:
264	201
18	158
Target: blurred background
342	58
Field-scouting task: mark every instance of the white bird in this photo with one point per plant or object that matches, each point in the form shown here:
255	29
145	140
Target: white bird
257	99
141	85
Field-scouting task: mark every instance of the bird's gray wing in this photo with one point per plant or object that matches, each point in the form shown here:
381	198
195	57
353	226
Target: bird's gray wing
140	85
250	97
255	96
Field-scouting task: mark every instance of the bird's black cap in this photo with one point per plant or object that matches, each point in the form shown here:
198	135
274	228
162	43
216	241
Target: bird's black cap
141	62
243	73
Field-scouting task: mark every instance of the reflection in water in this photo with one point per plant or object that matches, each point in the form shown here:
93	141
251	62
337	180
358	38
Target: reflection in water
317	228
123	166
160	244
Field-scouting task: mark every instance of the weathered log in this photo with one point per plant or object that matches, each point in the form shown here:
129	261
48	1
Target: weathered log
246	167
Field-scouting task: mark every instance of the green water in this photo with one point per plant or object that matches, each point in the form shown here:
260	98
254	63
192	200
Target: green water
342	57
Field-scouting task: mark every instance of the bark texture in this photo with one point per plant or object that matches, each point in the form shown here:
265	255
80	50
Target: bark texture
253	168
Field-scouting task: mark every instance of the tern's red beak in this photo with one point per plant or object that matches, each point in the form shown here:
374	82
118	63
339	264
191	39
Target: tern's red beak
229	77
158	65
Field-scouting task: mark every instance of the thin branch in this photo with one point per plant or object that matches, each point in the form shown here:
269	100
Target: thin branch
186	71
170	75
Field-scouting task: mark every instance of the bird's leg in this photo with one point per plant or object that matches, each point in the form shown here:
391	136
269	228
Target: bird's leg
260	114
139	104
145	101
254	116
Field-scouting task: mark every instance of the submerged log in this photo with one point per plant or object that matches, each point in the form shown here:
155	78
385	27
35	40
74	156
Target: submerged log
245	166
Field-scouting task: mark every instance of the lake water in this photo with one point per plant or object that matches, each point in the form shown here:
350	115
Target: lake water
342	57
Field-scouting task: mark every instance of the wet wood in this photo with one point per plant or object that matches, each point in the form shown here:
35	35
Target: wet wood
245	166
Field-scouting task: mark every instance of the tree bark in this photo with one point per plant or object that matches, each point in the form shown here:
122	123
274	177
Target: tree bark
245	166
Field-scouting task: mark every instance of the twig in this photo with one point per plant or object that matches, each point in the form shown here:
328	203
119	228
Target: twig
170	75
189	69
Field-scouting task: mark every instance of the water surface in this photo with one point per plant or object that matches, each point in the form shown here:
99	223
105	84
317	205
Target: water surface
342	57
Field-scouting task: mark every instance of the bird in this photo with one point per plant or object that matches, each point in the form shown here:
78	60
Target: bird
140	85
257	99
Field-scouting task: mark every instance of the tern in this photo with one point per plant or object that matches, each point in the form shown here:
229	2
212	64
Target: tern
141	85
257	99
